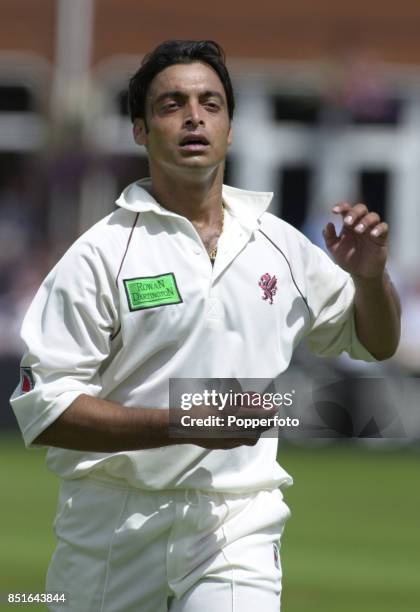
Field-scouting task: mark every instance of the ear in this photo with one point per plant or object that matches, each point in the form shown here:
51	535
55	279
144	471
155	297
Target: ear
139	132
230	135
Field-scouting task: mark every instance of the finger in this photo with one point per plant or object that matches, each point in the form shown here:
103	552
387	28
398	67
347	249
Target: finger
251	399
330	235
380	232
225	443
257	413
251	442
353	216
228	444
341	208
366	222
218	445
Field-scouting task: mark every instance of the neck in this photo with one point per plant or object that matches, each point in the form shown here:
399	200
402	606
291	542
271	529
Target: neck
197	198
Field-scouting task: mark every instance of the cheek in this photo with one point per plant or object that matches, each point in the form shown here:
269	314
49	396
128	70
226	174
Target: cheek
160	140
223	138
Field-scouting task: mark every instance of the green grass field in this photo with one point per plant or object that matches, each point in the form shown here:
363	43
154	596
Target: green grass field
352	544
353	541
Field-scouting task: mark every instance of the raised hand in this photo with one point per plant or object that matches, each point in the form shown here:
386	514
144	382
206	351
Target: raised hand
361	248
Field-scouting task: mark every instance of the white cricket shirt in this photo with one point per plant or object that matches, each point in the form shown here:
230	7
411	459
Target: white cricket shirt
87	330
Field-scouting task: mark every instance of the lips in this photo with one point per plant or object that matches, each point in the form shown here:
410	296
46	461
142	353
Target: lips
194	141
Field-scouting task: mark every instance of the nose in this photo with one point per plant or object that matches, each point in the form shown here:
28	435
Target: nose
193	117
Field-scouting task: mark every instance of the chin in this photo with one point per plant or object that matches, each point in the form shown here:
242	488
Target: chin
197	162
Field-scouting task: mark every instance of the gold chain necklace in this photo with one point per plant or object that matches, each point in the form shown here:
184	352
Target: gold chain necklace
213	252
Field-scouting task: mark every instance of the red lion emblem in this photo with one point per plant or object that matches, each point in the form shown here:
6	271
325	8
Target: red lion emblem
269	285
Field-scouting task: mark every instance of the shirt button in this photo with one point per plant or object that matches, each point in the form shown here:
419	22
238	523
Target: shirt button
197	251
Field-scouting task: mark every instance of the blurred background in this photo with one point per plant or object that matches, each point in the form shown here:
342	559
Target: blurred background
328	109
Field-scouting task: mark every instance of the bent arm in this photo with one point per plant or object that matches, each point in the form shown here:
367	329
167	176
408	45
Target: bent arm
97	425
377	315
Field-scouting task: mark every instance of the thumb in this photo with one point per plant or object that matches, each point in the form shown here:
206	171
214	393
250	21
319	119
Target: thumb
329	234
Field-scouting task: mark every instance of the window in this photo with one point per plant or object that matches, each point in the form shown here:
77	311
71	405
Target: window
382	112
296	108
295	187
374	189
16	98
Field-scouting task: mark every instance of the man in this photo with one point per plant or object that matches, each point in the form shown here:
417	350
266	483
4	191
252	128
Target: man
183	281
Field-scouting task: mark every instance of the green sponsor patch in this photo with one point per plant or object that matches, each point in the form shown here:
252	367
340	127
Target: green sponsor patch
152	291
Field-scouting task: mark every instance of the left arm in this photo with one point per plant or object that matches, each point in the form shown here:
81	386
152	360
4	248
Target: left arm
361	249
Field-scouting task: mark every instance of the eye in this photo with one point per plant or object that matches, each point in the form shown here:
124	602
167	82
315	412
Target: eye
213	106
170	106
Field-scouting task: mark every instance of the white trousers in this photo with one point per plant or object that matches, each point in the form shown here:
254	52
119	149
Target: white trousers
120	549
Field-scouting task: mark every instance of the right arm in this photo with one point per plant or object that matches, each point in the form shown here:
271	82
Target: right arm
97	425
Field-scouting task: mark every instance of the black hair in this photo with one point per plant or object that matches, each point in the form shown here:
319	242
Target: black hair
173	52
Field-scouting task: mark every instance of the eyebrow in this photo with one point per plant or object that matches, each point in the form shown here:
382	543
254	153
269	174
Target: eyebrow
180	94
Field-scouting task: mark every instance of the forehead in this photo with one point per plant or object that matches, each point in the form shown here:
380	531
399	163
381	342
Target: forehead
186	78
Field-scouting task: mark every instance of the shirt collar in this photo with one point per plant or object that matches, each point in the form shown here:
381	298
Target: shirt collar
246	206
